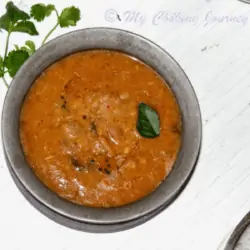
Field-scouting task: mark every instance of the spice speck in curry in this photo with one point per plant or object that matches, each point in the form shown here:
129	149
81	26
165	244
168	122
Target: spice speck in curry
111	128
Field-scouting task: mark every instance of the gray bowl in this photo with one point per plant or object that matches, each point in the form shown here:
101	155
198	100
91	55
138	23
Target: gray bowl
235	242
97	219
245	1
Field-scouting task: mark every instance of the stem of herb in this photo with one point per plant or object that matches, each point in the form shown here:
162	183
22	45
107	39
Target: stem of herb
45	39
5	55
52	30
57	14
6	47
5	83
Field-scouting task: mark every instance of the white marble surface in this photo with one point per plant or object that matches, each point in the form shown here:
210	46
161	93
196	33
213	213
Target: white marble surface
215	53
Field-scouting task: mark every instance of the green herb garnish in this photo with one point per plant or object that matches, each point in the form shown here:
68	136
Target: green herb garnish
68	17
16	20
40	11
29	47
148	123
15	60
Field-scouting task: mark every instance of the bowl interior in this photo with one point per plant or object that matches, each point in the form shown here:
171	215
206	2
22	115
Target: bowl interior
149	53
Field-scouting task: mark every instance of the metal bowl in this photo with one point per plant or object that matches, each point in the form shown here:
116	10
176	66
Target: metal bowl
245	1
235	242
97	219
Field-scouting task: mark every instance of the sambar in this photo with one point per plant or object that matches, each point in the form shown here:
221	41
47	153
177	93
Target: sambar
78	129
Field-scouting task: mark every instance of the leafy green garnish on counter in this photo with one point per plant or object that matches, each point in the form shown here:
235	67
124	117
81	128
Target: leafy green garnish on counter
40	11
15	60
1	67
29	47
148	123
16	20
25	27
68	17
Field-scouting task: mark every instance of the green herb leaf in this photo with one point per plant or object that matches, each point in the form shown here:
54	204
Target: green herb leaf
69	17
49	9
15	14
15	60
1	67
12	15
24	48
30	47
25	27
148	124
5	22
40	11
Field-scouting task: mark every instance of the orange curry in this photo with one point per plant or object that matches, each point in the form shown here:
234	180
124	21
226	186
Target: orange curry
78	129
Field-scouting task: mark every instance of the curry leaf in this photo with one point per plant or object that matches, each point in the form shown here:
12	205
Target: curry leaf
25	27
15	60
40	11
69	17
148	124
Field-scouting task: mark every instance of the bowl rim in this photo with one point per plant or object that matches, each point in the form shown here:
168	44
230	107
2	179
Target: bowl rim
238	232
81	226
185	164
245	1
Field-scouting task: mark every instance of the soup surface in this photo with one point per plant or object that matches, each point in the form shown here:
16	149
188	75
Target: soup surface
78	129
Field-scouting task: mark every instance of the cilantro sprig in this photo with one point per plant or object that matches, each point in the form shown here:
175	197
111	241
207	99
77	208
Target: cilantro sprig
14	20
68	17
17	20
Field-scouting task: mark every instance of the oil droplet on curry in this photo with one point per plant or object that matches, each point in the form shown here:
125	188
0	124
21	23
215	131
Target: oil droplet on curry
78	129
